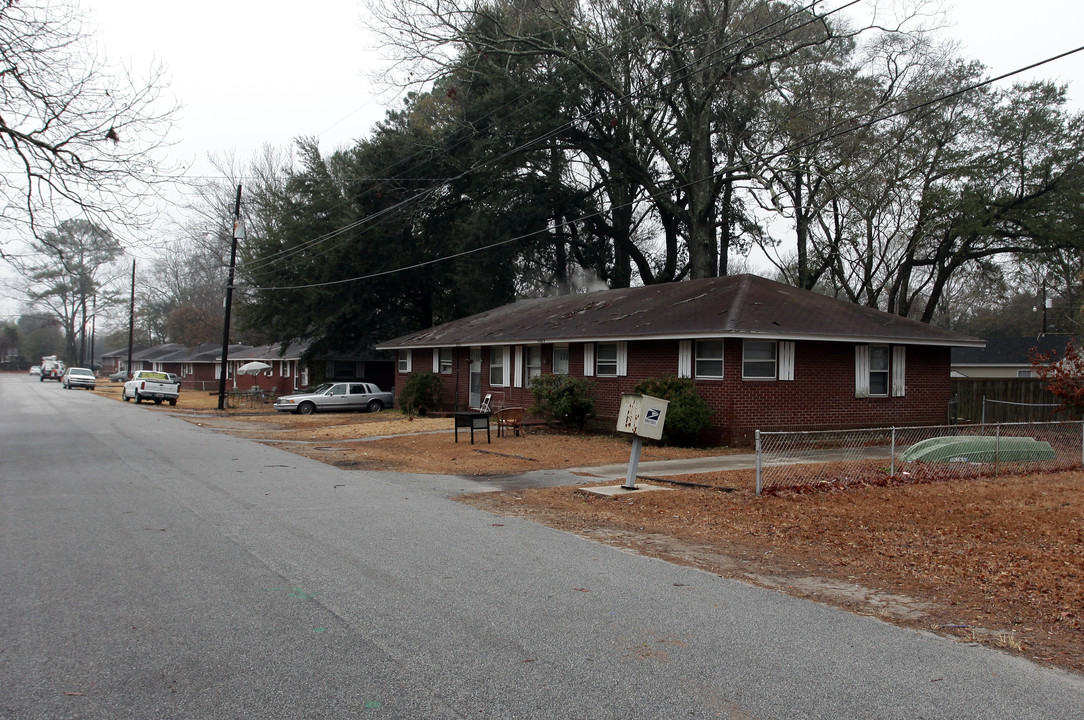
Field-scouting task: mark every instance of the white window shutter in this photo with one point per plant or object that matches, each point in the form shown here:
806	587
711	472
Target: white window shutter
517	378
507	364
786	360
861	371
899	370
588	359
685	359
436	360
622	359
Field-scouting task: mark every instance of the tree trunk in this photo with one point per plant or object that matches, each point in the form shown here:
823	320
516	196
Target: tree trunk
701	216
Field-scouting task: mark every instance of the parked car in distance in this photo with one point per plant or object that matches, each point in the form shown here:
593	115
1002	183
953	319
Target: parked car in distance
35	370
119	376
78	377
336	396
51	369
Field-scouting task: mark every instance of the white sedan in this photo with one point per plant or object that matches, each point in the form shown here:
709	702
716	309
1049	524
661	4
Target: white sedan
336	396
78	377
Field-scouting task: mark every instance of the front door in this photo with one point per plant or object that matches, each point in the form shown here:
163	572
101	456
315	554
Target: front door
475	398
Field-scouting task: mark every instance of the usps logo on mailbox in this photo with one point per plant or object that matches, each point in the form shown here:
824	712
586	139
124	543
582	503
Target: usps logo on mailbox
651	417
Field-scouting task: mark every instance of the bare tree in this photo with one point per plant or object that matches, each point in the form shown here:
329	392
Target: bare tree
70	276
682	84
76	137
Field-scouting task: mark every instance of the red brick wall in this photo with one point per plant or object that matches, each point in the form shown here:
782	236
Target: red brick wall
820	397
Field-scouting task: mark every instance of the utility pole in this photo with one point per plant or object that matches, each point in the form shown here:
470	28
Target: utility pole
131	322
238	232
93	326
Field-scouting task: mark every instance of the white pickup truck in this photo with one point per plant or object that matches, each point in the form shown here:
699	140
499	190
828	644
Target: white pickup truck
151	385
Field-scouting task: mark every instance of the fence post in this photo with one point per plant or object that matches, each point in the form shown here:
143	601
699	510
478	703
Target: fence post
983	422
997	448
759	485
892	469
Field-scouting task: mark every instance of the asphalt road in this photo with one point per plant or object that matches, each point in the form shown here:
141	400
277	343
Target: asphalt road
155	569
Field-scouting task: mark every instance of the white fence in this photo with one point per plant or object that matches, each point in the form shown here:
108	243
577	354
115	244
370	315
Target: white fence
877	455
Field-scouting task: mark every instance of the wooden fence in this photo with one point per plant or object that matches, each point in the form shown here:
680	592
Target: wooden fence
1004	400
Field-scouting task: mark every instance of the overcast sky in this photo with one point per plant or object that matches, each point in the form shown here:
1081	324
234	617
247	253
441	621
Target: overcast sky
250	72
255	72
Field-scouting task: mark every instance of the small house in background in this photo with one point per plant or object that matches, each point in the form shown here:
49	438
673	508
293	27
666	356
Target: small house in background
998	383
286	375
203	366
200	367
157	358
1005	357
762	354
115	361
376	368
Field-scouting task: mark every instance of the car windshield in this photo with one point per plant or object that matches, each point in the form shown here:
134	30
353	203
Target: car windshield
323	388
80	371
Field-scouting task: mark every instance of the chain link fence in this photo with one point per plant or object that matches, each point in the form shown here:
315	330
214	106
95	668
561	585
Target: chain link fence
791	460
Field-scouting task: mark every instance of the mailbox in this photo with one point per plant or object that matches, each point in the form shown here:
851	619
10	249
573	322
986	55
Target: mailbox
642	415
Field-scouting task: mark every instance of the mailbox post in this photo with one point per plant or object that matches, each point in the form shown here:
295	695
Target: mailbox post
642	416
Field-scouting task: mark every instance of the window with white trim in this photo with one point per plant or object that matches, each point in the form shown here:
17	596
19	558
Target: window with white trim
444	361
404	361
606	359
498	365
560	359
612	359
758	359
534	361
709	359
880	370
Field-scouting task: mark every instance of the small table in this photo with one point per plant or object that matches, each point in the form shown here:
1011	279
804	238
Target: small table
474	421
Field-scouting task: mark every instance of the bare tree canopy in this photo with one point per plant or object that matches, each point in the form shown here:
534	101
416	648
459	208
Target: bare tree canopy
71	277
76	137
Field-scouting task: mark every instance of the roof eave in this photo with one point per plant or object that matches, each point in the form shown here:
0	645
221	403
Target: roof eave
855	339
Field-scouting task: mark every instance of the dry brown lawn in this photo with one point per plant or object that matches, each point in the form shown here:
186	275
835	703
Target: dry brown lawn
997	561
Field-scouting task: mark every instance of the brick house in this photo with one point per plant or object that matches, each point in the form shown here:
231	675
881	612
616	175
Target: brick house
763	355
114	361
286	375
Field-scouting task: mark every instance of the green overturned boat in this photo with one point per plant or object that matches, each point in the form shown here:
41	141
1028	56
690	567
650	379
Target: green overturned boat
979	449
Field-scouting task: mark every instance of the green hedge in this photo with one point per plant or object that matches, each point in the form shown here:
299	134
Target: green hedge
421	392
686	415
564	399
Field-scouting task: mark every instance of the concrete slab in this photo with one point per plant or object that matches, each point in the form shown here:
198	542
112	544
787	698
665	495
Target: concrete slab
619	490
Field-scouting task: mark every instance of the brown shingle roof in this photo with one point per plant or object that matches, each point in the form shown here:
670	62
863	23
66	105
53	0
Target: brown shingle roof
733	306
